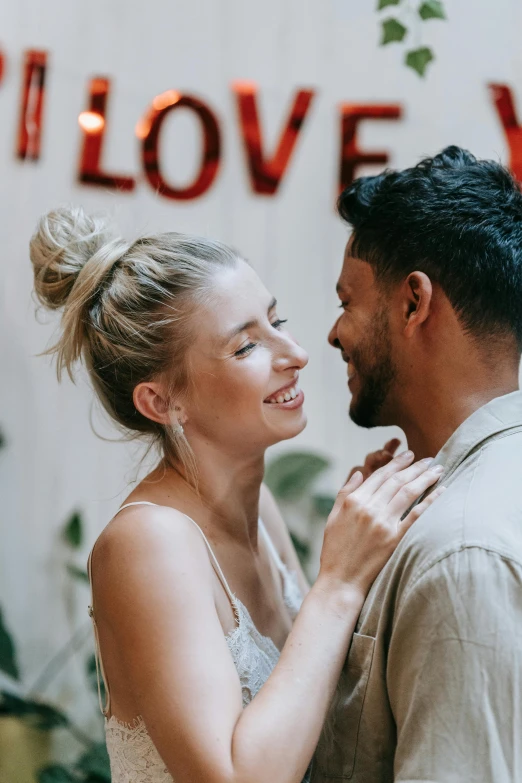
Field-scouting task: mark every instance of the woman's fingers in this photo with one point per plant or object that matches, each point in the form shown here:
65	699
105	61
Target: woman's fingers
354	482
408	493
419	509
377	479
392	485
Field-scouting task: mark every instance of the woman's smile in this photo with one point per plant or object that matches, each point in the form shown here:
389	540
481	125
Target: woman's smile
288	397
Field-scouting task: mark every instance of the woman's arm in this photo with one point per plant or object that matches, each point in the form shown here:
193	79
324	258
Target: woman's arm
155	603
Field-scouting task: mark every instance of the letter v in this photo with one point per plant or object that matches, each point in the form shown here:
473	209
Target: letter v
266	174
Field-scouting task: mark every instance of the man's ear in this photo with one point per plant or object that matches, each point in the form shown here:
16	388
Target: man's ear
417	292
151	401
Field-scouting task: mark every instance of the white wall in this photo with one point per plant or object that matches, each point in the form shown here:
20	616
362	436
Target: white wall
54	462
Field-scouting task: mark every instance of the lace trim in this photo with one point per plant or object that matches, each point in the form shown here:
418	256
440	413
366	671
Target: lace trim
134	757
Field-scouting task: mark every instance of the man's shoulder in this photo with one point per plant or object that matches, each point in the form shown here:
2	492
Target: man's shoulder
481	508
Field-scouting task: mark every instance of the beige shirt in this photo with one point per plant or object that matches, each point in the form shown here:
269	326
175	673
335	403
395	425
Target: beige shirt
432	686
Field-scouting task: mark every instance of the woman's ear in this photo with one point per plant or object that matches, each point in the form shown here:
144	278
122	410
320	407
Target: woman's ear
151	401
418	293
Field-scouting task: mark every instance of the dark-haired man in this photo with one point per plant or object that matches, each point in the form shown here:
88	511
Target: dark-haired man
431	332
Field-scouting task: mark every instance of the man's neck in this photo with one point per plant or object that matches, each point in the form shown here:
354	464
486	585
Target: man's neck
435	413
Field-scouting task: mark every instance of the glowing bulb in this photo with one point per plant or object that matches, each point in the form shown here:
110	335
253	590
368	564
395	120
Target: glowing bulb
142	128
91	121
165	99
244	86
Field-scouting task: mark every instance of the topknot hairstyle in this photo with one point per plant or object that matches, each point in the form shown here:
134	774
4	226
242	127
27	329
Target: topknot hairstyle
127	310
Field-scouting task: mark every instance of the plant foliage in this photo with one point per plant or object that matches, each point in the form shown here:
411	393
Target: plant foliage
392	30
408	25
291	475
38	714
8	663
431	9
73	531
419	59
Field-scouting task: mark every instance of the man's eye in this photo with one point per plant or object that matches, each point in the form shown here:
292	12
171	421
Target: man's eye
344	305
278	324
245	350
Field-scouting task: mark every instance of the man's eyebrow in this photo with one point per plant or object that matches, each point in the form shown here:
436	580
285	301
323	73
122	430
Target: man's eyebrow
247	325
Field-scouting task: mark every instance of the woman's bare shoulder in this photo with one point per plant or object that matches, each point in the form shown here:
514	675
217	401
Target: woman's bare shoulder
143	543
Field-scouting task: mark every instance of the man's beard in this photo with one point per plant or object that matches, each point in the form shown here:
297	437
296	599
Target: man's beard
373	364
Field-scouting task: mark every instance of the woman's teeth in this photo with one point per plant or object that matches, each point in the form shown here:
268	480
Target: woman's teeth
289	394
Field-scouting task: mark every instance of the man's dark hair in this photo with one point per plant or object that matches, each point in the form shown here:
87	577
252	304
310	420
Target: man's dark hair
456	218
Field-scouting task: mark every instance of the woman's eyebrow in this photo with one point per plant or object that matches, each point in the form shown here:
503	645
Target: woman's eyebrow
247	325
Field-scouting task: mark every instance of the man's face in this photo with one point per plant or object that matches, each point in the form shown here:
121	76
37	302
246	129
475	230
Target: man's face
362	334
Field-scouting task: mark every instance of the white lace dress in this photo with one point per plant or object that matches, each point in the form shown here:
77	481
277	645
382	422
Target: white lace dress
133	756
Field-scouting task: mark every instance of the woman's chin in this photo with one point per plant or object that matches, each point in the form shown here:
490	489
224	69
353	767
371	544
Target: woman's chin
291	429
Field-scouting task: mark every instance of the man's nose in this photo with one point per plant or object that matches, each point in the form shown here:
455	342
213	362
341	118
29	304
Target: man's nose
333	339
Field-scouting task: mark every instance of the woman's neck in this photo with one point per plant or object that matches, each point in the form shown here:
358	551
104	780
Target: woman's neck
227	495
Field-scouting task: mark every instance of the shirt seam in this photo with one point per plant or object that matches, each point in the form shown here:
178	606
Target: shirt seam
498	551
490	550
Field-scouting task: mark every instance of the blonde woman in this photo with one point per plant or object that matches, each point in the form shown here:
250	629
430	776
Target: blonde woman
219	661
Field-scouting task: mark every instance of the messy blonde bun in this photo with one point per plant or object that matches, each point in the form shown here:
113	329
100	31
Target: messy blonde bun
127	309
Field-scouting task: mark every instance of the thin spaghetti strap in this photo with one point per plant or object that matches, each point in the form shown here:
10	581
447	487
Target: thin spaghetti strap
271	548
100	671
217	567
213	559
136	503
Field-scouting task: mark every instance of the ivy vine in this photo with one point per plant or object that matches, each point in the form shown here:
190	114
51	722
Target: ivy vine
405	25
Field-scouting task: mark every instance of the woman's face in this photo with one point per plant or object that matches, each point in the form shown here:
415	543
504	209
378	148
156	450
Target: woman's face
244	366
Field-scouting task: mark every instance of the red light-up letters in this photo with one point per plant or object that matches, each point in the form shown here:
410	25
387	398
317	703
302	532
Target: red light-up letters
266	173
93	124
32	106
351	156
148	130
505	106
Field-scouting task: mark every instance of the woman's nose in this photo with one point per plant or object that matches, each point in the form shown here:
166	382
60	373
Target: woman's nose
292	355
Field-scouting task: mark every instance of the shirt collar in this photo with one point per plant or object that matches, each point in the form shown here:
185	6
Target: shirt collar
500	414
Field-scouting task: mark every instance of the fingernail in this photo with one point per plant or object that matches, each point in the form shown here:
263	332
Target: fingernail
426	461
438	469
406	454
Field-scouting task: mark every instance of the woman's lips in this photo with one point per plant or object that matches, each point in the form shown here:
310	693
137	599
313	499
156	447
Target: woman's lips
289	405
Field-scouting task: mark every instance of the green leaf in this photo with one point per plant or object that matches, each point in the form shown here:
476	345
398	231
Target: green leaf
95	762
2	440
78	573
431	9
302	549
73	531
419	59
385	3
290	475
323	504
41	716
392	30
8	662
55	773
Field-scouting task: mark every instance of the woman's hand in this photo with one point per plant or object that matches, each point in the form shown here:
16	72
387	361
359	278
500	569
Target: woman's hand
377	459
365	524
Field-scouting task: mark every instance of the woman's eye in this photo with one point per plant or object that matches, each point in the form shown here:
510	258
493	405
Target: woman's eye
245	350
